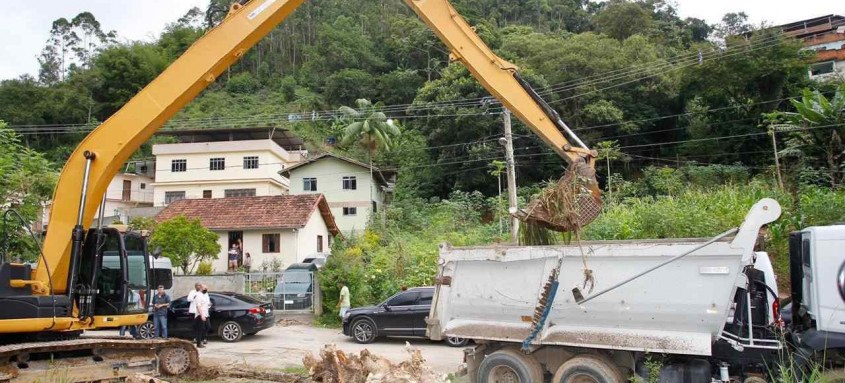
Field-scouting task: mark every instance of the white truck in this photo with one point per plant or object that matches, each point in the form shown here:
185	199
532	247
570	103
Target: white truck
689	310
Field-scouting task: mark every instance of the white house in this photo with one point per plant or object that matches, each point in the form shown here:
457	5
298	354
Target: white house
126	193
288	228
221	169
353	195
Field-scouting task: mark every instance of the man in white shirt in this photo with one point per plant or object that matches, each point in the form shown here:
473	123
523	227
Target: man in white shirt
192	309
203	304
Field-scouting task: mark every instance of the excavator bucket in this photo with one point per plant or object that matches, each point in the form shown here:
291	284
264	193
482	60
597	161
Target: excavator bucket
568	205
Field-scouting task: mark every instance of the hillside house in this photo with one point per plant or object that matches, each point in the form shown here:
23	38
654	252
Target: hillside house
826	36
352	194
289	228
223	164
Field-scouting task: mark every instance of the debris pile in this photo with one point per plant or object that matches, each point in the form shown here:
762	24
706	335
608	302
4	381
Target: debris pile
335	366
567	205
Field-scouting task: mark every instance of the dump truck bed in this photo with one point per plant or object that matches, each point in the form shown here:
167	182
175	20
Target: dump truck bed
490	293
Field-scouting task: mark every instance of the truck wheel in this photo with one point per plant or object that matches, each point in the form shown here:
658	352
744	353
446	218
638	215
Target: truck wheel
509	366
364	331
588	369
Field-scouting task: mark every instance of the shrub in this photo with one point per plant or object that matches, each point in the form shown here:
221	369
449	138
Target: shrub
204	268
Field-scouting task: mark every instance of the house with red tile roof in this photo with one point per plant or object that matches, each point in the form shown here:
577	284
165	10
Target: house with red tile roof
286	227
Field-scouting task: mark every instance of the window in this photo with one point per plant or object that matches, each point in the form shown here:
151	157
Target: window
350	183
218	163
375	207
319	243
206	194
239	193
270	243
251	162
425	297
408	298
350	211
143	186
178	165
309	184
173	196
821	68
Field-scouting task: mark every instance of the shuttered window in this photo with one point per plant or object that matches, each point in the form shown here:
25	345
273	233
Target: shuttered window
270	243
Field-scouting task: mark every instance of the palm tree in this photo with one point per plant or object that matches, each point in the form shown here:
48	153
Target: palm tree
370	128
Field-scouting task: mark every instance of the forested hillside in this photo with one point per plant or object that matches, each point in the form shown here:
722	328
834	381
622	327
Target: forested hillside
662	90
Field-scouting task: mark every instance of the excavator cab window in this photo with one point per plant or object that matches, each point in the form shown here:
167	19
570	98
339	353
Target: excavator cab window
118	269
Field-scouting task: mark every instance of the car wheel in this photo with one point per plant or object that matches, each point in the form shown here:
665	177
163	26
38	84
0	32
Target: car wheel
455	341
147	330
364	331
230	331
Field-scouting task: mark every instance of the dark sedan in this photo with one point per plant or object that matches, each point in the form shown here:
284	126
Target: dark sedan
402	315
232	316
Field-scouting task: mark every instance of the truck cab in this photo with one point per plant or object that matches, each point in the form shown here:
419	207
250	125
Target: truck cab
818	309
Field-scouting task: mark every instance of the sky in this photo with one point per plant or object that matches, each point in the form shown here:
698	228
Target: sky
26	26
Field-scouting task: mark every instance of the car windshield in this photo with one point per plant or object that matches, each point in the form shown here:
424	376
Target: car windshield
294	282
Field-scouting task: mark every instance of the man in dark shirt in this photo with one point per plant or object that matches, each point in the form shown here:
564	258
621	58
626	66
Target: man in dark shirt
161	301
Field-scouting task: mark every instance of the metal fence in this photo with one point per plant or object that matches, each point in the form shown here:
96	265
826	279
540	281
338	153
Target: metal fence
288	291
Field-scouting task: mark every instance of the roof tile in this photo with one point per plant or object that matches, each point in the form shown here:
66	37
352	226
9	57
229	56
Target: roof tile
284	212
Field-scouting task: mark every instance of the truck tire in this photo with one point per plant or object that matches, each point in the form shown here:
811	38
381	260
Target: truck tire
588	368
509	366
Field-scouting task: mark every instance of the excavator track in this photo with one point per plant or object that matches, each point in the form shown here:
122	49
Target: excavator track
95	359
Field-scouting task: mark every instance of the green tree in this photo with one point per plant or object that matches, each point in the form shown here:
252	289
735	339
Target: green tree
609	151
27	182
823	123
621	19
370	128
142	223
186	242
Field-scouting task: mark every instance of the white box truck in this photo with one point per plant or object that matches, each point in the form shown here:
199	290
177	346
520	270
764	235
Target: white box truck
689	310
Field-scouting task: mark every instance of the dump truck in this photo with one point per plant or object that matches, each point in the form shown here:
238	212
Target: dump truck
680	310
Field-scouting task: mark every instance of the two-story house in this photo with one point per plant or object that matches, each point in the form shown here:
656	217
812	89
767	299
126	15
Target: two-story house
128	193
826	36
196	170
353	195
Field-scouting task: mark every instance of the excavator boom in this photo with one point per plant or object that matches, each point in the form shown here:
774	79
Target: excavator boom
101	154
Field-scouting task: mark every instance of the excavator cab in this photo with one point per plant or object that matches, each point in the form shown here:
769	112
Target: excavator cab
113	273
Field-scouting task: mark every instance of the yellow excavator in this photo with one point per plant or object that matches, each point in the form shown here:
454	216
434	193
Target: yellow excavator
86	276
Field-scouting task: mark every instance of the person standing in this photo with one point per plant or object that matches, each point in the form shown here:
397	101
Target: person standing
161	302
233	258
203	303
344	300
247	262
192	309
134	300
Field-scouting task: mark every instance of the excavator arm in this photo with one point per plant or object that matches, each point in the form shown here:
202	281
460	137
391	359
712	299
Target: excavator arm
103	152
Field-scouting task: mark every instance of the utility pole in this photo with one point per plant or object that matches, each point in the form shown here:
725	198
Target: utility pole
508	143
772	130
777	160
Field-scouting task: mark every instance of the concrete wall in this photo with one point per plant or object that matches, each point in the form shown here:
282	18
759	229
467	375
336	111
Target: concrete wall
329	173
183	284
198	176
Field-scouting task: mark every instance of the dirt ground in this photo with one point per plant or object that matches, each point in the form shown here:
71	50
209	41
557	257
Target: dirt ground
281	349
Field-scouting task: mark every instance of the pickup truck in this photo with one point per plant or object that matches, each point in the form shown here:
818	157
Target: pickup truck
690	310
